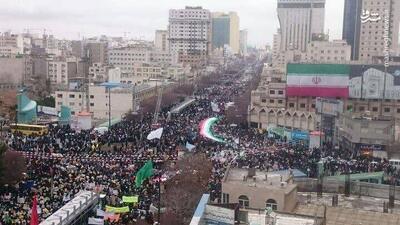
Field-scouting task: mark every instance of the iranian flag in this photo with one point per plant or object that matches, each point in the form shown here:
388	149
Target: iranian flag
318	80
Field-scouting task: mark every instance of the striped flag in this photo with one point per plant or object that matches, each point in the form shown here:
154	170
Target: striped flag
318	80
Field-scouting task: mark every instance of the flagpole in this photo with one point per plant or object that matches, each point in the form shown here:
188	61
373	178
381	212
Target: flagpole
159	199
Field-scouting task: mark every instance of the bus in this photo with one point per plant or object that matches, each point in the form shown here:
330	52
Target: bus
27	129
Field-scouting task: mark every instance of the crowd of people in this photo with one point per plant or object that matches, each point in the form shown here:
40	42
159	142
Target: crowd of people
64	161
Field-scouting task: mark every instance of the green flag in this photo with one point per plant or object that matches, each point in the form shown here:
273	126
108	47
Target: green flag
144	173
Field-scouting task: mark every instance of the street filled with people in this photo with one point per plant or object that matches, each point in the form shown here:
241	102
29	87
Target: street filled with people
64	162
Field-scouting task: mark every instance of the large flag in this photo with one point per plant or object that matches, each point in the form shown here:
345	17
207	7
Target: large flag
144	173
155	134
318	80
34	214
189	146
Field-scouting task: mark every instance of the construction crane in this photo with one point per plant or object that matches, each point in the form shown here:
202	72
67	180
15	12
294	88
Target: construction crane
158	105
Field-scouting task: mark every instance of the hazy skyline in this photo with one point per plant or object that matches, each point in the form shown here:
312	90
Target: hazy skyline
140	19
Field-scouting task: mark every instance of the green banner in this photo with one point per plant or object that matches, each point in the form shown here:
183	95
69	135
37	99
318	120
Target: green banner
130	199
117	209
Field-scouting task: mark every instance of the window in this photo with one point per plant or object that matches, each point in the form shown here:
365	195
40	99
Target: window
387	110
374	109
280	92
243	201
280	101
263	100
272	92
91	96
59	95
72	103
291	105
271	203
271	101
302	105
91	104
398	110
313	106
71	96
225	198
361	108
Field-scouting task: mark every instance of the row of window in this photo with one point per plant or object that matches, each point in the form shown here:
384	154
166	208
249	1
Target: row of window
244	201
127	54
374	109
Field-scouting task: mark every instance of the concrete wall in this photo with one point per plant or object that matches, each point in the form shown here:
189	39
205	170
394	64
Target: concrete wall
259	195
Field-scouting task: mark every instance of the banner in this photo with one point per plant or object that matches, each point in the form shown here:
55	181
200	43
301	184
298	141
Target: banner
318	80
111	217
95	221
117	209
130	199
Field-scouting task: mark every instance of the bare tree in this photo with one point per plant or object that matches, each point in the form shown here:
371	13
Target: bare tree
13	167
8	101
185	189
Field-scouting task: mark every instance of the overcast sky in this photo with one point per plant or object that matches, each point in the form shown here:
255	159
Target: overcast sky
140	18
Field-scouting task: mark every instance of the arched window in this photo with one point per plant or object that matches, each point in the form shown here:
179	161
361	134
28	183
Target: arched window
271	203
243	201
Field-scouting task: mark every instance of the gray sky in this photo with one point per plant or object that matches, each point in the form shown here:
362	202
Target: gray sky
140	18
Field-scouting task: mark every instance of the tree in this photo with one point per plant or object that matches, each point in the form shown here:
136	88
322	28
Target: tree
3	149
185	189
12	165
8	101
49	101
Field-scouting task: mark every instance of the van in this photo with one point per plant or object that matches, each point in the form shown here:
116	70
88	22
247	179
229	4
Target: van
395	163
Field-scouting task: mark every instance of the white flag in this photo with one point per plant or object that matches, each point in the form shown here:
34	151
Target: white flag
237	140
155	134
189	146
214	107
100	213
95	221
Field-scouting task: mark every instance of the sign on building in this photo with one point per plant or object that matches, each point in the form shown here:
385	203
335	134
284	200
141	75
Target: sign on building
215	215
368	82
329	106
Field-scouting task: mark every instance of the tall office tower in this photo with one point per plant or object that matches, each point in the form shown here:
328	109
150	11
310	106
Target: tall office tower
190	34
161	40
225	31
299	21
243	42
351	25
364	27
96	52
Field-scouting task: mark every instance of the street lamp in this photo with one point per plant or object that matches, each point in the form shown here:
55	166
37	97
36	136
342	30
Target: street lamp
108	86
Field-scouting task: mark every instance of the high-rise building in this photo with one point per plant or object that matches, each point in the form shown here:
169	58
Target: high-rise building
364	26
243	41
11	44
161	40
97	52
225	31
190	34
300	20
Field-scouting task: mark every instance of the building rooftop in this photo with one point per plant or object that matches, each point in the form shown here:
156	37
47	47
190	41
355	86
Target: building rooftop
351	210
260	179
279	218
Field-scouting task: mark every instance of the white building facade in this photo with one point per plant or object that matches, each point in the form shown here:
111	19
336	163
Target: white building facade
299	20
190	33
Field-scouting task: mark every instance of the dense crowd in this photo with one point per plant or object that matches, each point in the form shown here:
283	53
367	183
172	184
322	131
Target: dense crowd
64	162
